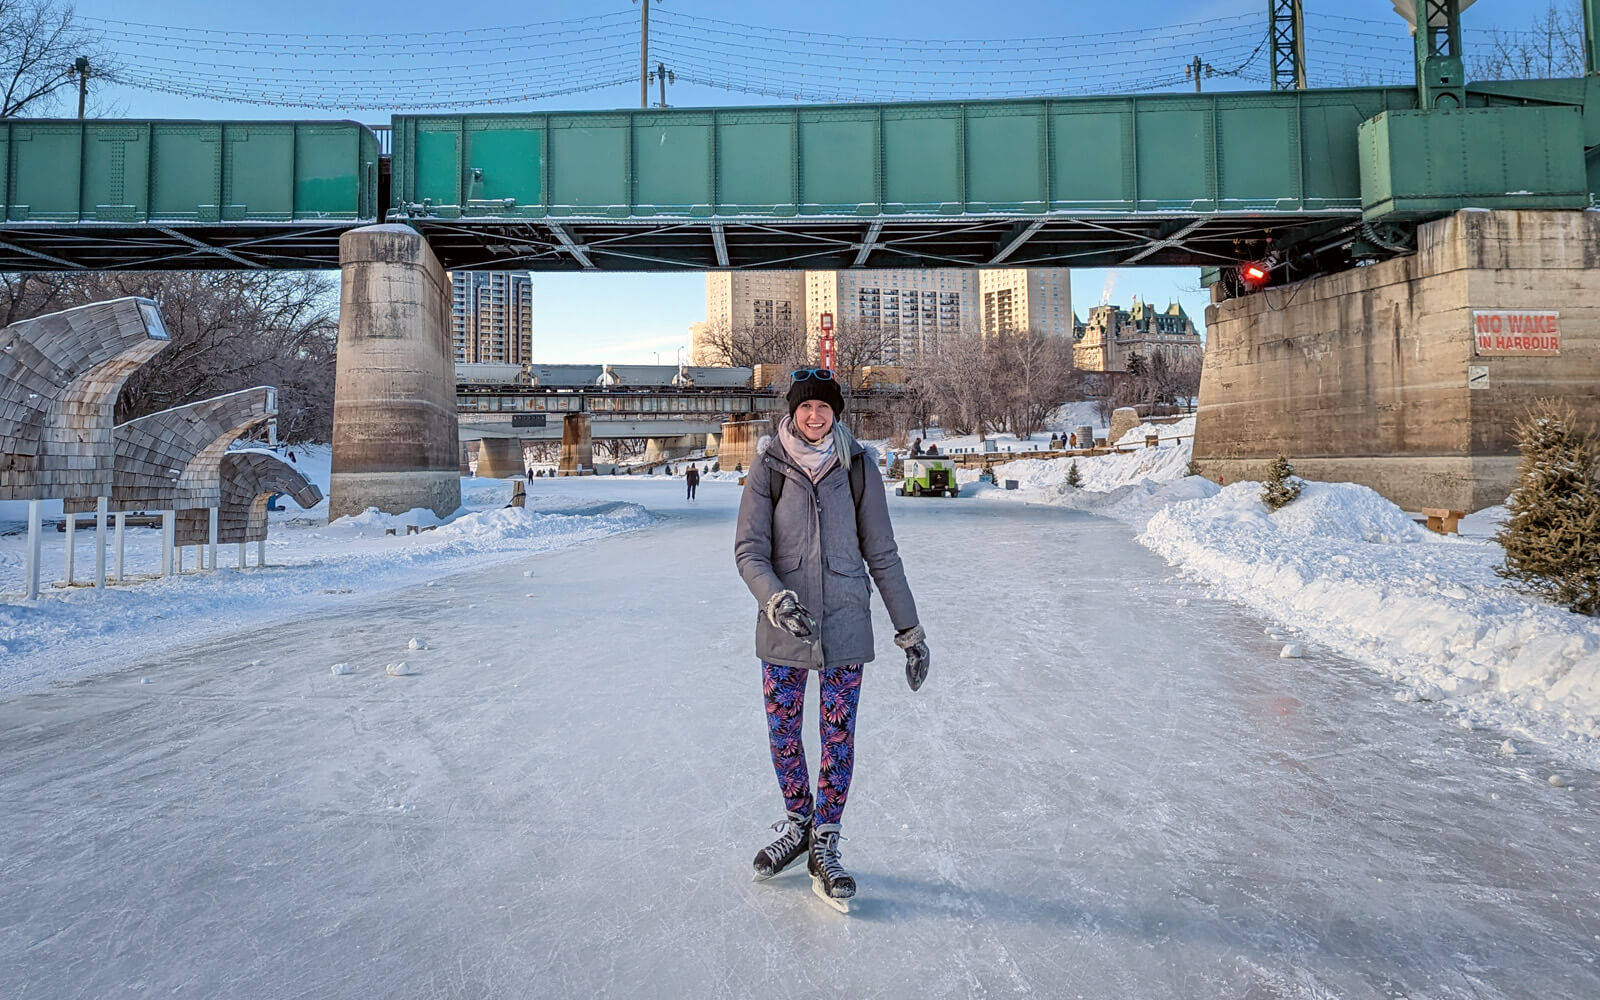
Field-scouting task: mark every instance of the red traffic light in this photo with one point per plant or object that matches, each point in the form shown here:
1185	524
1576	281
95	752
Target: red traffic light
1254	274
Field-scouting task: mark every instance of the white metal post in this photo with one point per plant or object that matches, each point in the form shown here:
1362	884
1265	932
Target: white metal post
34	542
122	524
243	559
261	552
213	511
72	547
168	537
100	506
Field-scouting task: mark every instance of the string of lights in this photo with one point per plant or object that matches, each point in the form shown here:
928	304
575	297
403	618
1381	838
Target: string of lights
467	67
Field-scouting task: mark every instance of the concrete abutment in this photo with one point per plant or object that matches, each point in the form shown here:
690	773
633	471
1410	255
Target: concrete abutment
395	443
1377	375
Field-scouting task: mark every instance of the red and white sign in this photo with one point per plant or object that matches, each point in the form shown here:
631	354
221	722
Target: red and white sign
827	322
825	345
1516	332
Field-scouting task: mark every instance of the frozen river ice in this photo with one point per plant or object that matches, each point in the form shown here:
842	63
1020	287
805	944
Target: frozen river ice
1099	793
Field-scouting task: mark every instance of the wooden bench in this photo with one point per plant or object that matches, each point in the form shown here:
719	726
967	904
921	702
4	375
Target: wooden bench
1443	520
86	521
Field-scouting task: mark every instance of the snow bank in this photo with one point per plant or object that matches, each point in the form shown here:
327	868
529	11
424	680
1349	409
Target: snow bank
1356	573
1353	573
1136	435
1100	474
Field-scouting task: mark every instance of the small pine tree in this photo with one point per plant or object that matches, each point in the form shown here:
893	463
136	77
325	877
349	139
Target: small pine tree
1282	484
1552	534
1073	479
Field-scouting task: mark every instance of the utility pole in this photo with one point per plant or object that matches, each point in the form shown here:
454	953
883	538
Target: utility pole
81	67
1591	37
1195	71
644	52
664	76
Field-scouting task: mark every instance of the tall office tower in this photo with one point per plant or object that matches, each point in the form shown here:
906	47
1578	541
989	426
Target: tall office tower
1022	299
491	316
747	301
912	308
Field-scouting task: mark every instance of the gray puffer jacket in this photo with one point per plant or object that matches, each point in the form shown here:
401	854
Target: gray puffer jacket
814	544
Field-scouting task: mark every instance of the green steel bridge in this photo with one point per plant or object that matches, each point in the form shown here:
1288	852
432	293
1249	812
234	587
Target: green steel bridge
1317	179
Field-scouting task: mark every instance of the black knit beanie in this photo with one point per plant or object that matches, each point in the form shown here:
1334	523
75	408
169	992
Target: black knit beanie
825	389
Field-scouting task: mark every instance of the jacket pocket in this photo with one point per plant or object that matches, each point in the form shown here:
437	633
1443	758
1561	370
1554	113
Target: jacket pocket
844	564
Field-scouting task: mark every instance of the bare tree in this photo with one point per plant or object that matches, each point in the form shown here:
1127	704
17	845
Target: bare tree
40	43
857	346
622	449
1551	47
1033	372
746	347
541	451
959	383
31	293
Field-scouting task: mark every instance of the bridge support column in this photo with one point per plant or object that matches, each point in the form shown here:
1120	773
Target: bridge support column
394	410
739	440
660	449
1384	376
500	458
577	446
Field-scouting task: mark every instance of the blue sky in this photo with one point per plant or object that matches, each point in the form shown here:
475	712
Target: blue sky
629	318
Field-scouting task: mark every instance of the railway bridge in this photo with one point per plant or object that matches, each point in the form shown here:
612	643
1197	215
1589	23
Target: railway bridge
1467	198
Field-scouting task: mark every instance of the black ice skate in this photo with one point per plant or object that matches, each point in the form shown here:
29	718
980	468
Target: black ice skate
832	884
794	836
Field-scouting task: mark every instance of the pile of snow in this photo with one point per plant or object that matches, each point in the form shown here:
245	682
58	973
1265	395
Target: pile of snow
1101	474
1180	429
1068	417
1352	570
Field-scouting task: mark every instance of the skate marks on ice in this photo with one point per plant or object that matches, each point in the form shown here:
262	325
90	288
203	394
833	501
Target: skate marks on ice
1155	781
1097	794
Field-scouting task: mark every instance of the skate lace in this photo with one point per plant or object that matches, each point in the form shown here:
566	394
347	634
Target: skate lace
829	851
790	833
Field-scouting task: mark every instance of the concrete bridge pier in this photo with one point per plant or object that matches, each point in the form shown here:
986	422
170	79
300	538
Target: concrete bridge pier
577	446
500	458
1408	376
660	449
739	440
394	410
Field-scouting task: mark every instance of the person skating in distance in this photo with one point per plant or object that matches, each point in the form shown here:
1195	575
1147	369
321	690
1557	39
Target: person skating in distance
813	522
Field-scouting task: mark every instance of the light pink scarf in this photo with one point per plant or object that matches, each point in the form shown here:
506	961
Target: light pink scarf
815	459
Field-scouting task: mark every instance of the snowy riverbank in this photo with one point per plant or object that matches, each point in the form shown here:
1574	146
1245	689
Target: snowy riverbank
312	565
1345	570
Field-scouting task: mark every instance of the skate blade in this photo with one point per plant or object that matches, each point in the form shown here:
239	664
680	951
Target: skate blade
842	905
758	877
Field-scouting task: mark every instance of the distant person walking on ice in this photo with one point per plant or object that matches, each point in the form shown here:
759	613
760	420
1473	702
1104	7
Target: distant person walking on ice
692	477
813	521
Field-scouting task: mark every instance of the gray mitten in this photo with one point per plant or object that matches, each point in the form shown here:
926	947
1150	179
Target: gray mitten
914	642
785	611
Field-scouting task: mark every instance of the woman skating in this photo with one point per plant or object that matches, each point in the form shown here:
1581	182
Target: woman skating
813	521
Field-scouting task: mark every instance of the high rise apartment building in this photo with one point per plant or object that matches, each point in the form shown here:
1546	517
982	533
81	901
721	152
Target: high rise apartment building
1026	299
747	300
491	316
913	308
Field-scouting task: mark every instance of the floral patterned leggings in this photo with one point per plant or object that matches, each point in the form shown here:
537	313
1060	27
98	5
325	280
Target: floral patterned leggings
785	690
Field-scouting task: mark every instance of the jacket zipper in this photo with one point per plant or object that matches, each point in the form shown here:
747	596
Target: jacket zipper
822	557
